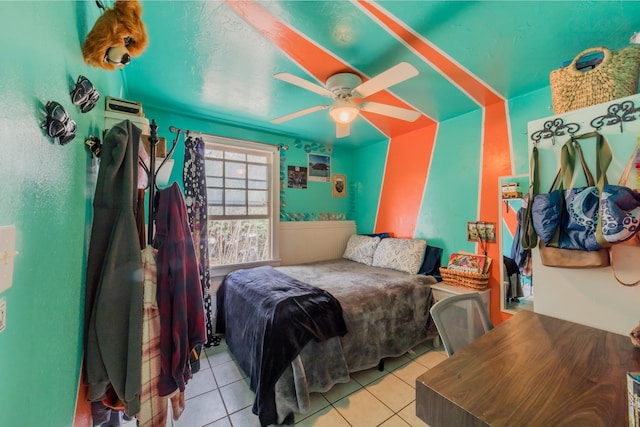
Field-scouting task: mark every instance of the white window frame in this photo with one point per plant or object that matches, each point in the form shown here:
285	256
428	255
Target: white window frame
274	202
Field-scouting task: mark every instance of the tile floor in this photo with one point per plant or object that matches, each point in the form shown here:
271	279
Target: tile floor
219	395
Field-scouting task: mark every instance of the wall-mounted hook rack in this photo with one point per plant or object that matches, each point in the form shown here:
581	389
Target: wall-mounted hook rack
553	128
617	114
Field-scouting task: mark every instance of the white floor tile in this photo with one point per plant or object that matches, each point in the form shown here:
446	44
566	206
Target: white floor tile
327	417
420	349
362	409
201	382
244	418
392	391
368	376
431	358
395	421
218	355
393	363
341	390
227	373
214	393
237	396
410	372
224	422
202	410
408	414
317	403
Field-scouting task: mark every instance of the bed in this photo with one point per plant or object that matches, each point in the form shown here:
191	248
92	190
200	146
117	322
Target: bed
384	309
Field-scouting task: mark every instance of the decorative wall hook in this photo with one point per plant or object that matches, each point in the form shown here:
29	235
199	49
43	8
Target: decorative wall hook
553	128
617	114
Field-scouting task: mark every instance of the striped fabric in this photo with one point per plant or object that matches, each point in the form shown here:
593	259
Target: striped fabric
153	408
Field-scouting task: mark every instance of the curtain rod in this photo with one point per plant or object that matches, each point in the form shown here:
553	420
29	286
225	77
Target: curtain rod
188	132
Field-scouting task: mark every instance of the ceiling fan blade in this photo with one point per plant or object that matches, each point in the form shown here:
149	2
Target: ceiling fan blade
300	113
390	110
342	130
305	84
390	77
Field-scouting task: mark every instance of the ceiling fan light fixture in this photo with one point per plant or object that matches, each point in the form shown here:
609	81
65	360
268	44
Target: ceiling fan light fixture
343	112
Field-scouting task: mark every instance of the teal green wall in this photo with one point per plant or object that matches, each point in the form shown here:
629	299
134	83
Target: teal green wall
451	194
369	165
45	191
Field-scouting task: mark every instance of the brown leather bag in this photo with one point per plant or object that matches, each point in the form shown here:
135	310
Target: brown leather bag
569	258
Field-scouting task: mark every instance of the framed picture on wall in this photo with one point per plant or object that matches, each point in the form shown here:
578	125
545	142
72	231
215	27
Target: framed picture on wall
338	185
479	231
297	177
319	168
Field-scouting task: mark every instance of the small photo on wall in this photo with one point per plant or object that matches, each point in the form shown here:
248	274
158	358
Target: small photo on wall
339	185
319	168
297	177
481	232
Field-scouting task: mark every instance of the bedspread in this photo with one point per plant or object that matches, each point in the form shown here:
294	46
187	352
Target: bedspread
268	318
386	313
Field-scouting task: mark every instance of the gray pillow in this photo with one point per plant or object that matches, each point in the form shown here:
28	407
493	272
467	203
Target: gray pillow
400	254
361	248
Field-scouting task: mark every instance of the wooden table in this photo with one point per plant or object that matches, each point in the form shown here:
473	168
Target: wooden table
531	370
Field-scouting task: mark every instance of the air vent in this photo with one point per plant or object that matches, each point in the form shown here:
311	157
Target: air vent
117	105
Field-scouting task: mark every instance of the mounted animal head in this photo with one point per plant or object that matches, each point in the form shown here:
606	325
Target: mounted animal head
116	36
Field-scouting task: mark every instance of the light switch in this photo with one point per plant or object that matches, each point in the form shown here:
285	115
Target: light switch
7	255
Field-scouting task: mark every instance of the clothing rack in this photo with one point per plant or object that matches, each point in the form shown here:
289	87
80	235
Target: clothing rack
151	173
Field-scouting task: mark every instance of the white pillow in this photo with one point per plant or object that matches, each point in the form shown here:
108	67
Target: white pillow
400	254
361	248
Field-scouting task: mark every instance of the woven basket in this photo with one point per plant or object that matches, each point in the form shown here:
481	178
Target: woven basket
461	278
615	77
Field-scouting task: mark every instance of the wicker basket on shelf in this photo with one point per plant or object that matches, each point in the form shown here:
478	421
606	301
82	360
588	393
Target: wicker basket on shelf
461	278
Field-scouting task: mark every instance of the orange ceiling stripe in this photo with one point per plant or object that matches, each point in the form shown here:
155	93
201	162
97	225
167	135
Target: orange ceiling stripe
408	162
320	63
460	76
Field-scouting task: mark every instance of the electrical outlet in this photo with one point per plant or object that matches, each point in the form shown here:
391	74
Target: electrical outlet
3	314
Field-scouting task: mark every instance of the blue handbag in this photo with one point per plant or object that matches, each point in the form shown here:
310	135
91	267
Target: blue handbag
619	205
566	217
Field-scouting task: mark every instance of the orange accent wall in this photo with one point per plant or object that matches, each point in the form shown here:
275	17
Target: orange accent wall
496	162
496	153
405	178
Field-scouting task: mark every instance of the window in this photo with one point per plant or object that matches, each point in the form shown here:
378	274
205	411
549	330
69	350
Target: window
243	202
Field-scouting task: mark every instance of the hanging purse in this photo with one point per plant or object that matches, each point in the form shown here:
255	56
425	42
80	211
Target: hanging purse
619	214
624	256
565	219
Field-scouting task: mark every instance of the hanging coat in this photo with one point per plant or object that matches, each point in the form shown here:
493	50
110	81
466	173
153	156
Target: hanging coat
182	322
113	299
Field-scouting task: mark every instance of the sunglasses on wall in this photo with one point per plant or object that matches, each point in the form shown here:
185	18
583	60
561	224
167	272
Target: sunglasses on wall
58	124
84	94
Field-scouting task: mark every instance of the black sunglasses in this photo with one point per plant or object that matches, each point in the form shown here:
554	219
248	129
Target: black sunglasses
58	124
84	94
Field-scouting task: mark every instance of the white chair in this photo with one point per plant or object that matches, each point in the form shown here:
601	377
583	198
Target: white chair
460	320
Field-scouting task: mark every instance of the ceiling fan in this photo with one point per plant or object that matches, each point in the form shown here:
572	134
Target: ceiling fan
345	88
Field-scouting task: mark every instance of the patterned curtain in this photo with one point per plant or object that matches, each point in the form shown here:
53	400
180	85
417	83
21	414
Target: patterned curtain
195	192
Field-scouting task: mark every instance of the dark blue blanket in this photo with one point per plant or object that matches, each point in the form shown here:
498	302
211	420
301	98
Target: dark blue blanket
267	318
